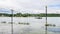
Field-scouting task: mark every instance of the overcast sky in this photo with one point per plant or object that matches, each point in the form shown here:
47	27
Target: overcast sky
32	6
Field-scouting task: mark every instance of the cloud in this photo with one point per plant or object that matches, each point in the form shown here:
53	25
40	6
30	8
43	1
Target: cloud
31	5
8	4
36	4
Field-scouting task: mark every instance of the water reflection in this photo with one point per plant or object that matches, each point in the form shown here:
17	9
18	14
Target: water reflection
37	26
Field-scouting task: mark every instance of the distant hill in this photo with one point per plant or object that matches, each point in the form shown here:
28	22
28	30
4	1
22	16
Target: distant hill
4	10
7	13
29	15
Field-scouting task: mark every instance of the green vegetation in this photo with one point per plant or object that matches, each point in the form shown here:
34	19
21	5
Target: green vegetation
50	25
24	23
3	22
30	15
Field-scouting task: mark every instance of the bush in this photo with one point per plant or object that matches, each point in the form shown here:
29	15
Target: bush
3	22
50	25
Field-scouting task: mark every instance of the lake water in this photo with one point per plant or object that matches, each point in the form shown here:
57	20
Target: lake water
36	24
32	20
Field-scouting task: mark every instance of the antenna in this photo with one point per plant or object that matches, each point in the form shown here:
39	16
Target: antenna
46	20
11	21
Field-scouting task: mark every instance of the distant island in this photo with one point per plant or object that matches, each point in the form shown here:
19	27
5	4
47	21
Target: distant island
29	15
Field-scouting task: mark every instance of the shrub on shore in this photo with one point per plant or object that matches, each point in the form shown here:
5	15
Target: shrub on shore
3	22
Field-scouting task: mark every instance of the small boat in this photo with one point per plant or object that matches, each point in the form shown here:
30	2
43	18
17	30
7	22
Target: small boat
38	17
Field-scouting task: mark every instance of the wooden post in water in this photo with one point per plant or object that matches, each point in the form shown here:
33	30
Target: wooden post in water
11	21
46	20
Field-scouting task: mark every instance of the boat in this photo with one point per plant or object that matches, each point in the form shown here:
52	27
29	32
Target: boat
38	17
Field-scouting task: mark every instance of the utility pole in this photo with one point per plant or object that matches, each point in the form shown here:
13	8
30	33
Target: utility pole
46	20
11	21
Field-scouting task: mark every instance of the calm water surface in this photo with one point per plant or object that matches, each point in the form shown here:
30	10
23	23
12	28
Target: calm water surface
35	24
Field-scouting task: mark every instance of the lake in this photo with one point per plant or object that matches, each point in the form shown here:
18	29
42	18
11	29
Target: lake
33	20
35	26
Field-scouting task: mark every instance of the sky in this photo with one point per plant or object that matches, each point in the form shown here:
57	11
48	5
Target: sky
31	6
